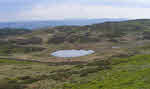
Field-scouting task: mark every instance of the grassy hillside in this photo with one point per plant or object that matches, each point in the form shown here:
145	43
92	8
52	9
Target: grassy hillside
126	34
125	73
116	73
121	59
112	31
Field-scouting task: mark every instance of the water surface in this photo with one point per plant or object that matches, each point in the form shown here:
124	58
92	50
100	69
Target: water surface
72	53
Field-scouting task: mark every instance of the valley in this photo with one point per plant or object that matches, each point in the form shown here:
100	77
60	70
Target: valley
120	60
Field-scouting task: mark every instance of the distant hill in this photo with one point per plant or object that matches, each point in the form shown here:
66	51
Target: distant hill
41	24
5	32
124	31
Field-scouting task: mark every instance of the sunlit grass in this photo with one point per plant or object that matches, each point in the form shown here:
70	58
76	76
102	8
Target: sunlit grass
126	73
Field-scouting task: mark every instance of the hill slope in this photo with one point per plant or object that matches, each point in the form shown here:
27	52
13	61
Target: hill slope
113	31
108	35
121	59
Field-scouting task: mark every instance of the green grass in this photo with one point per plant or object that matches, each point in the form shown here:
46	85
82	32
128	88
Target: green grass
126	73
6	61
116	73
20	74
